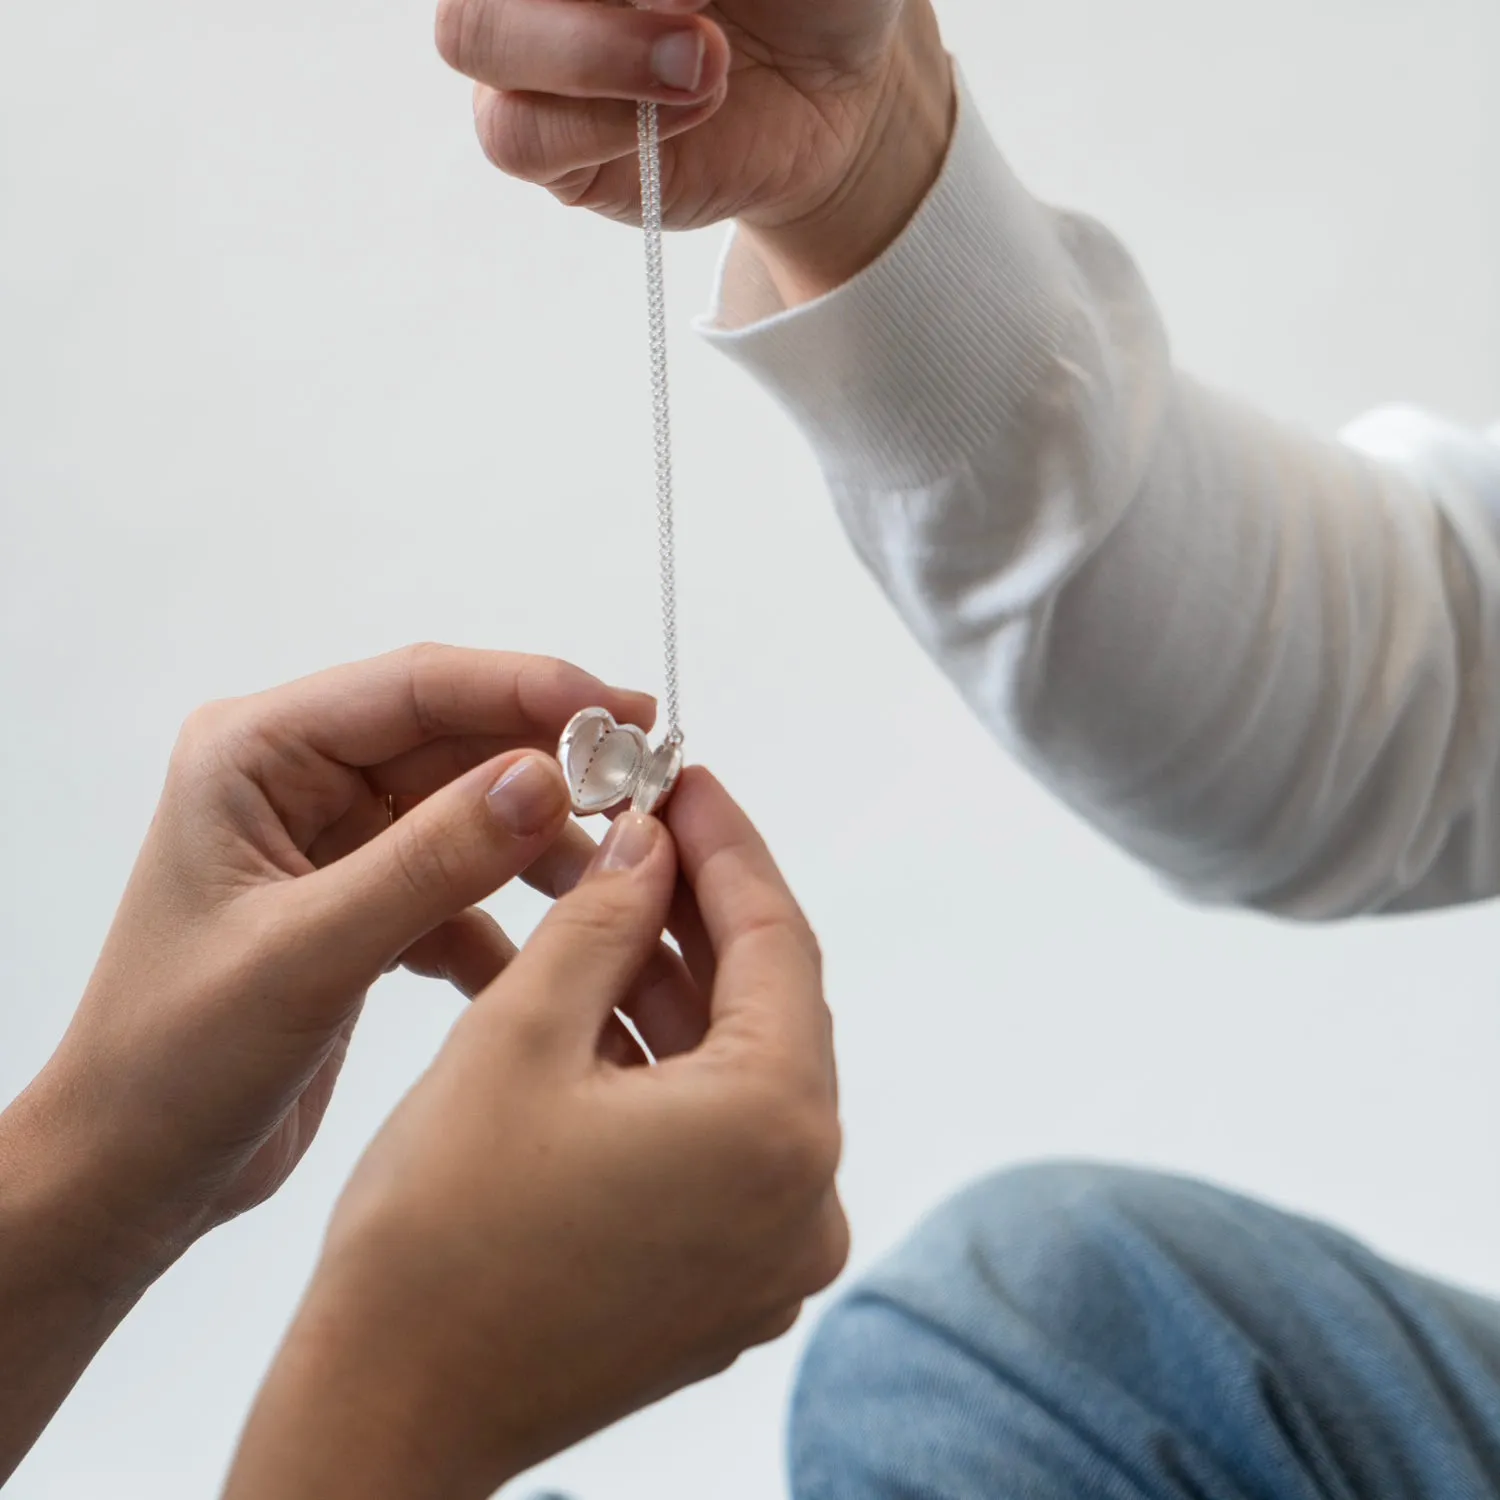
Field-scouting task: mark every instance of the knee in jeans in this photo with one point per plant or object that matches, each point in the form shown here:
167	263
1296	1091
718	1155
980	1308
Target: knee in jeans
1049	1232
1070	1252
971	1316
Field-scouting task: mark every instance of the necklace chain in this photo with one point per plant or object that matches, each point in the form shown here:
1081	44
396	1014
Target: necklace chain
649	133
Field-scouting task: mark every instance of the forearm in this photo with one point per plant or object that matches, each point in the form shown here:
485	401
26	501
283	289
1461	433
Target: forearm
1264	664
68	1274
319	1432
344	1412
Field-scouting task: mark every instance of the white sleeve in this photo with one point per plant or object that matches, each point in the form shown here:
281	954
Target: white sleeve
1266	664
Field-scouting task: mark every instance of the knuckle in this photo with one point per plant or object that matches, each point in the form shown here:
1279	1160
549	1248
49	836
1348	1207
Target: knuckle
460	28
593	917
204	723
513	138
799	931
544	681
555	675
721	1359
815	949
779	1324
830	1249
819	1147
527	1021
206	735
420	666
794	1162
583	187
421	864
774	930
420	656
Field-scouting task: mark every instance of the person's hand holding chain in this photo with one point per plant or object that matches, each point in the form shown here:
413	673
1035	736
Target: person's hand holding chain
818	126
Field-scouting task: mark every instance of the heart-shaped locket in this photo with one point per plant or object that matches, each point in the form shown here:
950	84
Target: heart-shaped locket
608	763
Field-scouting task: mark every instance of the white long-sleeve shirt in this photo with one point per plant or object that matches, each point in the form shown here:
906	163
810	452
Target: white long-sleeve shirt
1266	665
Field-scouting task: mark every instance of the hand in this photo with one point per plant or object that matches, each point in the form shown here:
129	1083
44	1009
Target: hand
269	896
539	1241
819	126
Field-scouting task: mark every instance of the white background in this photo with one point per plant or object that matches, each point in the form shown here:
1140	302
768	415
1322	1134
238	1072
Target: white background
289	376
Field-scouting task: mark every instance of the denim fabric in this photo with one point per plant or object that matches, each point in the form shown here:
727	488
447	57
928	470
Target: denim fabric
1089	1333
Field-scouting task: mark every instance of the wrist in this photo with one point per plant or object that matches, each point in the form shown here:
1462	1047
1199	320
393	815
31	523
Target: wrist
60	1202
67	1275
346	1411
898	158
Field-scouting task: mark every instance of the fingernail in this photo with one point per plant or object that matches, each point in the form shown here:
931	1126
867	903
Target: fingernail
677	61
527	798
628	843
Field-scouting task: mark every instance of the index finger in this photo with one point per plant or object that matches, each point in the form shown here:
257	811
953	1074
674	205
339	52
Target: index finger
371	711
769	969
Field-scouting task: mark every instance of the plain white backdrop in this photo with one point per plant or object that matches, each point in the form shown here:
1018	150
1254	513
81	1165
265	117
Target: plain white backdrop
289	376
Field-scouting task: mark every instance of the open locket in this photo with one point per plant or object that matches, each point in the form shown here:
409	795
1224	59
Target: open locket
608	763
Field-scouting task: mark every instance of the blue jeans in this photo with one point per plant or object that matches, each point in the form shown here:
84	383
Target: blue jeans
1085	1333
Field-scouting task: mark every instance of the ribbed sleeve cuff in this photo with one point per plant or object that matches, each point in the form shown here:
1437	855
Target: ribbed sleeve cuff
920	360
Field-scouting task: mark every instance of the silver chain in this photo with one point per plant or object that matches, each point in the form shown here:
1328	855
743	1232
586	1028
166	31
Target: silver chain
649	134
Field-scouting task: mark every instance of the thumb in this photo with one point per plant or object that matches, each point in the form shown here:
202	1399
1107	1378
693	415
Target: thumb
591	947
447	854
